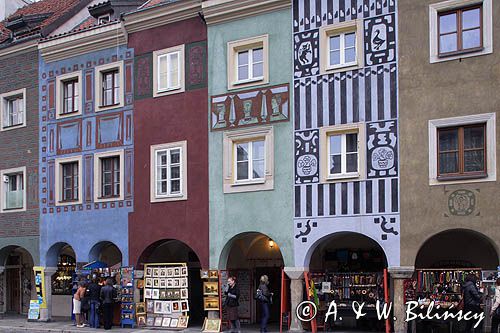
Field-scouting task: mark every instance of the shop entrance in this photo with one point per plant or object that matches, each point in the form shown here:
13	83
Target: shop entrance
175	251
62	256
107	253
248	257
19	278
348	267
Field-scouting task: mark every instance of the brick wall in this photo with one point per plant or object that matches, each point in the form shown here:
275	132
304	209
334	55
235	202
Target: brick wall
19	147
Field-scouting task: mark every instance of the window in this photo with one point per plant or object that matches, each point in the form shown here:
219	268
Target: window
109	86
13	107
248	160
70	181
69	95
169	71
462	149
460	29
341	46
342	151
108	176
169	172
13	190
68	177
104	19
248	62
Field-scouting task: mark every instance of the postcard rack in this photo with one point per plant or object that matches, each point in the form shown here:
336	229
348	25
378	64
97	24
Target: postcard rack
127	297
166	294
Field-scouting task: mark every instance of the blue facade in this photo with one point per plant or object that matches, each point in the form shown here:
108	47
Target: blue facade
89	224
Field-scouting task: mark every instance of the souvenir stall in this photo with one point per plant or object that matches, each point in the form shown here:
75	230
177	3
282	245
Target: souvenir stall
63	278
212	298
166	295
127	304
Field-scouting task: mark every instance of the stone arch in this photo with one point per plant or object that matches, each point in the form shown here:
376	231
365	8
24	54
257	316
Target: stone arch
107	252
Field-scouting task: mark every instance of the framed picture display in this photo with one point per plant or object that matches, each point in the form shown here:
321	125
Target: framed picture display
176	306
156	283
184	306
167	307
177	271
213	274
156	272
174	322
183	322
158	307
149	282
148	293
141	320
177	282
204	274
140	307
150	306
140	284
211	303
184	293
177	294
163	294
184	271
210	288
211	325
149	272
170	272
183	282
166	322
163	283
155	294
158	321
170	283
150	321
163	272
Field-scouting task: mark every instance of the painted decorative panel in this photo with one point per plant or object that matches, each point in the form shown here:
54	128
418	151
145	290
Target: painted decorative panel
380	40
144	78
196	65
307	157
69	137
251	107
306	52
109	130
382	149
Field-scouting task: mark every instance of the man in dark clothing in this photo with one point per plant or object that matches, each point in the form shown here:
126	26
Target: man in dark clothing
94	292
472	302
108	293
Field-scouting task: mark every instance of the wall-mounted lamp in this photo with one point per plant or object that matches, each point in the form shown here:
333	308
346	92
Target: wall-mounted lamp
271	243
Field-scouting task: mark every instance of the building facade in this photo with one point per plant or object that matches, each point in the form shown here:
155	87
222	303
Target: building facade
86	151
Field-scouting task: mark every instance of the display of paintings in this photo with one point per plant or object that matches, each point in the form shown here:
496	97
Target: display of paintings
174	322
158	321
163	272
211	325
177	283
170	272
184	293
211	303
166	322
183	322
149	282
155	294
184	272
148	293
163	294
141	320
156	283
140	284
176	306
177	294
170	294
150	321
140	307
204	274
167	307
177	272
170	283
183	282
150	306
489	276
213	274
210	288
184	306
158	307
149	272
163	283
156	272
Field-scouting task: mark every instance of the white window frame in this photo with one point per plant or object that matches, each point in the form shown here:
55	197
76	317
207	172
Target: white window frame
60	81
103	17
340	29
250	178
99	70
157	92
325	133
7	172
235	47
230	139
98	175
4	108
155	149
59	183
250	64
436	8
486	118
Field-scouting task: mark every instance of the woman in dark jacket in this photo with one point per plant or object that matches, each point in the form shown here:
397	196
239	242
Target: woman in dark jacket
232	303
472	302
264	299
108	293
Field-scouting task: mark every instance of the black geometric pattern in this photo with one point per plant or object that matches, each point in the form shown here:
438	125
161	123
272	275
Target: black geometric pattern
380	40
307	157
306	53
382	149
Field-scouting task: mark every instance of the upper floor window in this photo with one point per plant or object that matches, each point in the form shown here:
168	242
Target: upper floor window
248	62
462	151
108	175
68	177
109	86
104	19
169	171
69	95
249	160
341	46
460	30
13	189
169	71
13	107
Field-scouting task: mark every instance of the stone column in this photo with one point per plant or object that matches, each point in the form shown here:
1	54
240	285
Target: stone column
398	275
46	314
296	275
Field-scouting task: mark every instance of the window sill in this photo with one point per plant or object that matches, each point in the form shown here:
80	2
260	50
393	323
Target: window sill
248	83
458	53
108	107
342	176
12	127
249	182
462	177
68	114
340	68
13	210
177	197
167	92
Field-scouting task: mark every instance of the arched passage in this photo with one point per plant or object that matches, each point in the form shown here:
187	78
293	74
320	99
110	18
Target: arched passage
458	248
18	279
106	252
62	256
174	251
248	256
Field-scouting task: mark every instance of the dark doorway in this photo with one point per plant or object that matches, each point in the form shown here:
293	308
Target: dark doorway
14	290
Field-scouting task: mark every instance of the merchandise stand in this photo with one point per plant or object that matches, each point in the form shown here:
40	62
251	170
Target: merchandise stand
285	315
212	298
127	297
166	295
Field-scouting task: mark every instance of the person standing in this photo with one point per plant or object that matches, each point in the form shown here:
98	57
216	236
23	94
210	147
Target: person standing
264	298
94	293
472	302
108	294
232	303
77	303
495	319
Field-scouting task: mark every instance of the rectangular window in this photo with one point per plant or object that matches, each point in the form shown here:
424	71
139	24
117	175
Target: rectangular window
342	50
110	177
69	181
250	160
343	154
14	191
462	151
250	64
168	175
110	88
460	30
14	111
70	96
169	71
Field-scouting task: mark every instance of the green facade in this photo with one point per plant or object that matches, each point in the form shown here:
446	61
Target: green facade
268	212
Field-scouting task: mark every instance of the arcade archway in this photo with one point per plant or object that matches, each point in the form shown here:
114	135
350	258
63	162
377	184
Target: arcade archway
107	253
62	256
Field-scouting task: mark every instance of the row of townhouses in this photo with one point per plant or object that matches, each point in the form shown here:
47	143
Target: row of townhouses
329	139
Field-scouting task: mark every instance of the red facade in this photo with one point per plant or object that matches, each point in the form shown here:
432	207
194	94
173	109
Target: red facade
166	119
